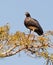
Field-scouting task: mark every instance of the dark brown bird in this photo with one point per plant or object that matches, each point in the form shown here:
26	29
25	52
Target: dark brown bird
32	24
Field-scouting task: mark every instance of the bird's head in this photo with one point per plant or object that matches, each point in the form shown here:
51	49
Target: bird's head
27	14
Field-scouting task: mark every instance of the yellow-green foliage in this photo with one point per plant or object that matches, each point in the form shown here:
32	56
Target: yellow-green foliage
11	44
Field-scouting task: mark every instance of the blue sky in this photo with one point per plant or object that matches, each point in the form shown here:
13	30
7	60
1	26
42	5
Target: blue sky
12	12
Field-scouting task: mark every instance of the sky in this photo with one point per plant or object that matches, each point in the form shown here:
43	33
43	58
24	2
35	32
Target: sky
13	12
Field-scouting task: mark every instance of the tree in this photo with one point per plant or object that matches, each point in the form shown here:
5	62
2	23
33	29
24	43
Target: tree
33	45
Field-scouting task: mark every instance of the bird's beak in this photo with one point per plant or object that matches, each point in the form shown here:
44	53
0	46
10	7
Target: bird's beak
25	13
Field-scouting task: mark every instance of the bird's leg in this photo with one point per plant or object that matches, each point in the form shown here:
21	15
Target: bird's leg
33	34
29	34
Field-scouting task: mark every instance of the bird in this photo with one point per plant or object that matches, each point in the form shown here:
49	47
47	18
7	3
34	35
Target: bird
32	24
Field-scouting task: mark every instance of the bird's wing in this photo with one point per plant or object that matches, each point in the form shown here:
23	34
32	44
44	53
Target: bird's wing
33	22
37	23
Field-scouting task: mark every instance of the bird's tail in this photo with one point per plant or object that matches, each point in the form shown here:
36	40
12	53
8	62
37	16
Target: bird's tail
39	32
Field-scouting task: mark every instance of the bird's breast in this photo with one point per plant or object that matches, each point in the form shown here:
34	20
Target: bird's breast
27	19
32	28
